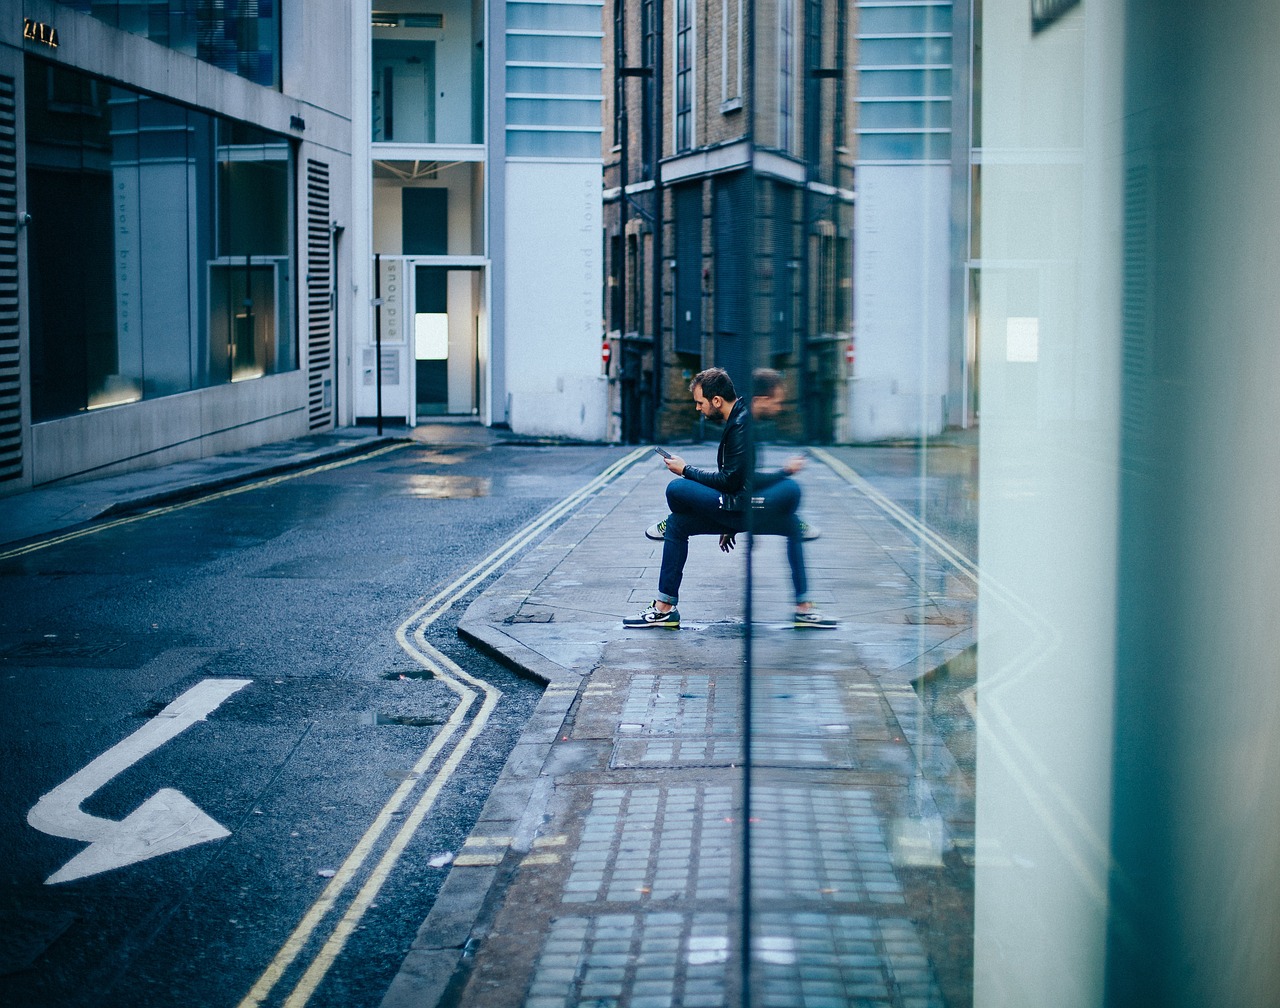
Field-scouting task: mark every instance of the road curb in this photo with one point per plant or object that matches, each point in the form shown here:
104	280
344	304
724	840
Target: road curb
198	488
438	960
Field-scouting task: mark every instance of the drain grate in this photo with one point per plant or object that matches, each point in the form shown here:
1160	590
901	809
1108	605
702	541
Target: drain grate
58	650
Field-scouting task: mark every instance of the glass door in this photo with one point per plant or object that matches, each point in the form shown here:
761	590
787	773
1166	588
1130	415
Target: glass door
446	323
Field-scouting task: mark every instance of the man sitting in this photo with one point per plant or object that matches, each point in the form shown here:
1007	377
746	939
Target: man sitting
716	502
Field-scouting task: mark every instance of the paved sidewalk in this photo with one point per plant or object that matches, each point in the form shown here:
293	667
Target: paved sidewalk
606	868
68	504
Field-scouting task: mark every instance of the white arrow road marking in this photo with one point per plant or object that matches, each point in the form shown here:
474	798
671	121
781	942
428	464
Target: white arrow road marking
166	822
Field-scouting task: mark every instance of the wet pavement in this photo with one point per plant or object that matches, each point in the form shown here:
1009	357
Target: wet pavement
608	864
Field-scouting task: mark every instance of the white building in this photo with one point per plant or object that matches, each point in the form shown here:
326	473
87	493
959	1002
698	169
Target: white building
484	192
915	358
192	198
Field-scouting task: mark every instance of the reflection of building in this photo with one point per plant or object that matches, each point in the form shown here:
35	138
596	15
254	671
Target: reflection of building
915	360
167	230
484	196
728	202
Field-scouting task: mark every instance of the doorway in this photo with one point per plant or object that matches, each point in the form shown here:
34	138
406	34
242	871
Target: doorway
446	340
404	91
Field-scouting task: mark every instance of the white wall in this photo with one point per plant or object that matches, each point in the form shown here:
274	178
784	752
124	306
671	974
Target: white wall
554	277
901	301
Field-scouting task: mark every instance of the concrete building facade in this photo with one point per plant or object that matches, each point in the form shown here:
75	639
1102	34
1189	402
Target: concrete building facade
173	189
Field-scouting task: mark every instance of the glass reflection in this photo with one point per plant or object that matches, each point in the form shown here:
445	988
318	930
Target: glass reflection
860	778
1082	811
159	246
241	36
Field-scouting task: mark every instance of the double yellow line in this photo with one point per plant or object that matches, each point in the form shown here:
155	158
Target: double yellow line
411	636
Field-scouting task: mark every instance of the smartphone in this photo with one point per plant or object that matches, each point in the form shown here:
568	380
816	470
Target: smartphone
663	452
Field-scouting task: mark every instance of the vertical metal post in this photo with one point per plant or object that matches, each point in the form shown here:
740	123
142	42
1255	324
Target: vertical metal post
659	215
377	332
335	232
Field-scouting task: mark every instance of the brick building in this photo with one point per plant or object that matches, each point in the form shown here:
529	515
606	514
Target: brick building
728	203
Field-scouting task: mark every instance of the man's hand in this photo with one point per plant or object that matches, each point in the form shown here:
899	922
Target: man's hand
728	540
675	464
794	465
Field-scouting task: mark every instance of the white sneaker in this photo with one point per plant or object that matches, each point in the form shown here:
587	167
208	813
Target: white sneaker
657	532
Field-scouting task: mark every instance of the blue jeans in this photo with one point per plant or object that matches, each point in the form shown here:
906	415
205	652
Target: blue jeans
695	510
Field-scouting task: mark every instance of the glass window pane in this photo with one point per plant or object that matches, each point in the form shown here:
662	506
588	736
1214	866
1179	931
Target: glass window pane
243	320
530	143
554	49
937	146
901	115
904	51
552	112
555	17
891	146
903	20
553	80
904	83
240	36
253	185
149	222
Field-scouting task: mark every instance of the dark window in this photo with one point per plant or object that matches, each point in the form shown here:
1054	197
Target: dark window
648	136
732	295
159	248
688	300
684	75
617	291
425	221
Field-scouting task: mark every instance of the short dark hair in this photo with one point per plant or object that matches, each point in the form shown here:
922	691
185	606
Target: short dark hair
765	381
715	382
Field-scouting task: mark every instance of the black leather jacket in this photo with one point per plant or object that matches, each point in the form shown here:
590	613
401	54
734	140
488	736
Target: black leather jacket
734	474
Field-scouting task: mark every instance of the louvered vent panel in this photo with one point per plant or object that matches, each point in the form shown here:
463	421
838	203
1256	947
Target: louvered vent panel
320	350
10	346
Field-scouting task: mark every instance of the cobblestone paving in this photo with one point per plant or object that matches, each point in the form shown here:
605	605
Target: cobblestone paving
818	960
820	843
654	844
657	960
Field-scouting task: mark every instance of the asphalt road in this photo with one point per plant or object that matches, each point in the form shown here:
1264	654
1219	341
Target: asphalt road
234	773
